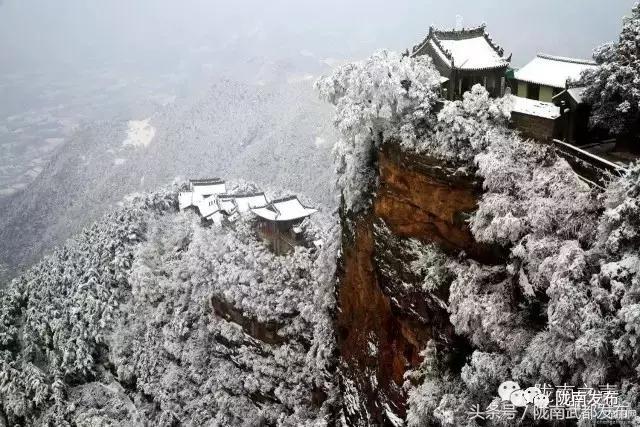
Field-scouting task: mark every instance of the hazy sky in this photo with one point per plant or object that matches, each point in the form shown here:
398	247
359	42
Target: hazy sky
51	34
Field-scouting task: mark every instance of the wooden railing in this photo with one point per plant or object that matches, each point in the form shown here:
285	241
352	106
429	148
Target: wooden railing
591	167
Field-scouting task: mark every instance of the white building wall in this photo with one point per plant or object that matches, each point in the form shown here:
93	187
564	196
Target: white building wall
207	190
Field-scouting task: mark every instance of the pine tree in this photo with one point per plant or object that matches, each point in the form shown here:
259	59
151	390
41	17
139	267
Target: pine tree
387	94
613	89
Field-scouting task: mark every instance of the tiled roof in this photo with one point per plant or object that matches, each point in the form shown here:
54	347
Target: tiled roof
467	49
286	209
553	71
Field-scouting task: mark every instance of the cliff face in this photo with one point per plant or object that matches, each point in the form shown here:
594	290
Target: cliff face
384	317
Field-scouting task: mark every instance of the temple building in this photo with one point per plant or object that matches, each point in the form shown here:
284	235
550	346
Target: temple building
218	206
535	119
574	116
464	58
209	209
548	105
546	76
279	222
244	202
199	190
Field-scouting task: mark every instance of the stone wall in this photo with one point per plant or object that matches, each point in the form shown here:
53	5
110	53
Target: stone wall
534	127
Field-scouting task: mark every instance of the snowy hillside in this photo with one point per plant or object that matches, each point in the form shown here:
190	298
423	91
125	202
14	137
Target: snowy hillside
126	325
277	135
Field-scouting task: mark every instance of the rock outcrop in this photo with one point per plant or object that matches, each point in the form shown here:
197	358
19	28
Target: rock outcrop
384	318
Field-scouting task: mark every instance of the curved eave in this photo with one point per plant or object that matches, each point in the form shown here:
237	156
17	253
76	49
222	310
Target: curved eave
422	46
279	218
538	82
447	58
481	68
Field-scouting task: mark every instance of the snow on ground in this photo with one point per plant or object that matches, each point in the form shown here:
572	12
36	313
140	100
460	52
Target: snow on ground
139	134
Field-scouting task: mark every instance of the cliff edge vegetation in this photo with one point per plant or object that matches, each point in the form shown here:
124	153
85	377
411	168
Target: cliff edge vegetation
546	291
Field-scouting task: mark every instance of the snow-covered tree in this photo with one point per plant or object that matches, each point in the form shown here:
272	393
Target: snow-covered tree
619	243
125	325
198	366
385	95
613	88
465	127
562	304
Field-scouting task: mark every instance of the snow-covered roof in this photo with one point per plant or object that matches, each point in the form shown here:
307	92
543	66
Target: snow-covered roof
467	49
244	202
207	187
532	107
226	204
576	93
206	181
185	199
287	209
445	58
553	70
217	205
473	54
215	217
208	206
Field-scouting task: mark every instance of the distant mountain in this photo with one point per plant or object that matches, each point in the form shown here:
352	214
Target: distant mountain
277	135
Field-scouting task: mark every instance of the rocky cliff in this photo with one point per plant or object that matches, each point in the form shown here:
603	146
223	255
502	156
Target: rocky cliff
384	317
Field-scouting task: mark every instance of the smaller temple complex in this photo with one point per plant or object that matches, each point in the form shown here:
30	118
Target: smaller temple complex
547	104
279	222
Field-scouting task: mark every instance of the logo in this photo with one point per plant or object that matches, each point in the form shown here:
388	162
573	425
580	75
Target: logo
546	402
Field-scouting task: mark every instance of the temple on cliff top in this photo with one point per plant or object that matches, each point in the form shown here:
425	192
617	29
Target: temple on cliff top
464	58
279	222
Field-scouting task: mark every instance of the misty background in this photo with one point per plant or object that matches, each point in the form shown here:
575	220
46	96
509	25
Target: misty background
66	62
225	88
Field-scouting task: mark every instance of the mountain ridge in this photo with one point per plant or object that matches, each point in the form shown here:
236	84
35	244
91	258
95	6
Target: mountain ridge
234	130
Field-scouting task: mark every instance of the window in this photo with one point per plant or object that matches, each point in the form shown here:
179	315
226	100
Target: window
533	91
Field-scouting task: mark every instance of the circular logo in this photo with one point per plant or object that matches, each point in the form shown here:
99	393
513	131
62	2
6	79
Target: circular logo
506	388
530	393
518	399
541	401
